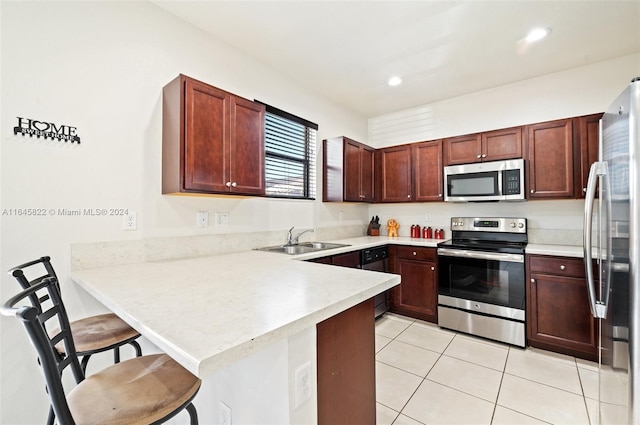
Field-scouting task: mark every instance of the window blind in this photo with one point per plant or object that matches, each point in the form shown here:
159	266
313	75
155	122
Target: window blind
290	155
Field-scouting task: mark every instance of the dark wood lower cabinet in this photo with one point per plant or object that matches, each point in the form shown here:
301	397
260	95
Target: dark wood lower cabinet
558	314
346	367
417	294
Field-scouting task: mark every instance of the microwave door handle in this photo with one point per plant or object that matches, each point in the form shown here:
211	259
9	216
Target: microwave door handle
594	173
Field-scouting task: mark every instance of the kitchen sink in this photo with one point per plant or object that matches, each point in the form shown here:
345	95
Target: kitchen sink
302	248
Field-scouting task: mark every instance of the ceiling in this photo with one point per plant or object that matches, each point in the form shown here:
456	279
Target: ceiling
347	50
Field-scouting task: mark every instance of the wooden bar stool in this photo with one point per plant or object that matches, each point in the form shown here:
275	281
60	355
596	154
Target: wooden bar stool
143	390
91	335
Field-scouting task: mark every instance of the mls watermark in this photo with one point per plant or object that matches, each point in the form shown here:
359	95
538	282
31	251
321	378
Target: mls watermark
63	212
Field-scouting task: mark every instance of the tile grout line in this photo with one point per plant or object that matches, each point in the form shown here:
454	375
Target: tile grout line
425	376
503	371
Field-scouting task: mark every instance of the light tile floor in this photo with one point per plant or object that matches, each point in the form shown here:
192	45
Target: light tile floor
428	375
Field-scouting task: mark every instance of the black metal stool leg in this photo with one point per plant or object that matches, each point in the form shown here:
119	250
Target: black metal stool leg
116	355
136	346
193	414
52	416
84	362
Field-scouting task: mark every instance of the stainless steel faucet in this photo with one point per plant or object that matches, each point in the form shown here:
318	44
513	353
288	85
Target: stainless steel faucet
293	240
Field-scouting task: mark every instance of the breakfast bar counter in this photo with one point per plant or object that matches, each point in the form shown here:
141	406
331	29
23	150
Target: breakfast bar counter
209	312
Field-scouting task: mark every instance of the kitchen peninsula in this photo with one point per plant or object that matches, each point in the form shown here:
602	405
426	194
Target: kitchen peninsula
211	313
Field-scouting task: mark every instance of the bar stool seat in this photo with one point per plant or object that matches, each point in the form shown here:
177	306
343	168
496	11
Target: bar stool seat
92	335
100	333
142	390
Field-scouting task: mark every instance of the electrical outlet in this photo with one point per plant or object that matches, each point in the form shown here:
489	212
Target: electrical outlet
341	215
225	414
427	217
203	219
130	221
303	383
222	219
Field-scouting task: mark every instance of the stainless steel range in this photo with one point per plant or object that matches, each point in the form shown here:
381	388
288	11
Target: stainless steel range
482	278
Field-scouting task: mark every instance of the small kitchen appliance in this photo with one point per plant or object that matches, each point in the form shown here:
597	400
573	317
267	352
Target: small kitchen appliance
481	278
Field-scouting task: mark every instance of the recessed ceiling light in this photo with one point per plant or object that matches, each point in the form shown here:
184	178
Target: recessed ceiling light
537	34
394	81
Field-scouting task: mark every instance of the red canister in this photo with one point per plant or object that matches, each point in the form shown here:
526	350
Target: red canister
413	230
428	233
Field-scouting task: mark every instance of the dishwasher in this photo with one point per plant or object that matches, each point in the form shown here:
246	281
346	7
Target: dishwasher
376	259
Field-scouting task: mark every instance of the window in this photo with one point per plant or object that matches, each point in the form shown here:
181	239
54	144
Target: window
290	153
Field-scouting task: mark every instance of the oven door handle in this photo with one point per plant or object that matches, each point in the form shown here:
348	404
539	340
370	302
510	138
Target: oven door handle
481	255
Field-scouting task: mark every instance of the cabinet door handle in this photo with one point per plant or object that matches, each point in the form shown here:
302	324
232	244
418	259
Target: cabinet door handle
531	190
228	184
432	268
409	196
562	267
234	184
533	280
479	156
415	253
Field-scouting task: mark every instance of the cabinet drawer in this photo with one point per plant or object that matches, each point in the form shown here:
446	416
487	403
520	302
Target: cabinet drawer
559	266
416	253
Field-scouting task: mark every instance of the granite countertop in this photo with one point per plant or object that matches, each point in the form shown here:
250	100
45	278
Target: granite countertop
209	312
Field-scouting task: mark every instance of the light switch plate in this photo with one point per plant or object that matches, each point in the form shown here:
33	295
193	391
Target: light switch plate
222	219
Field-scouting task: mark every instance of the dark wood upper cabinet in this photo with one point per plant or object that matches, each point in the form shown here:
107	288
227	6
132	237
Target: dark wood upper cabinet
213	141
410	173
394	174
246	146
489	146
587	134
550	160
502	144
427	171
348	171
463	149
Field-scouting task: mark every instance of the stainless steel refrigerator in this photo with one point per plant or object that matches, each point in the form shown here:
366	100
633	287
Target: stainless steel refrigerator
611	239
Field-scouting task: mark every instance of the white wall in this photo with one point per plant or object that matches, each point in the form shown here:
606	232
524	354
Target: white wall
580	91
100	67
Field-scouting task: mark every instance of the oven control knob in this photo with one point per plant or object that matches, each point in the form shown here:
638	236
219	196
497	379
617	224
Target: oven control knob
520	225
513	224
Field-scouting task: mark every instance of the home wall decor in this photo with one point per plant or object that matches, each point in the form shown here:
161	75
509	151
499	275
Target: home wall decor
48	130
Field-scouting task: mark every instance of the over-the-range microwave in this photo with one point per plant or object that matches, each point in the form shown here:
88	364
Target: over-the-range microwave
485	181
